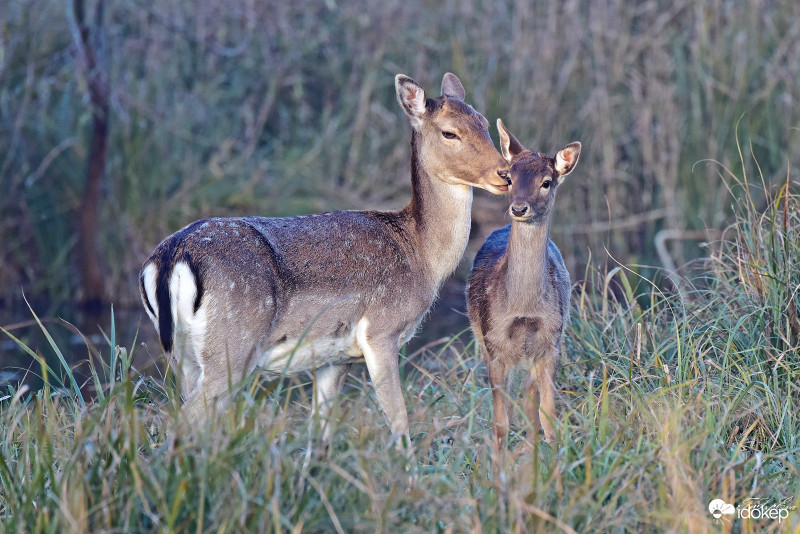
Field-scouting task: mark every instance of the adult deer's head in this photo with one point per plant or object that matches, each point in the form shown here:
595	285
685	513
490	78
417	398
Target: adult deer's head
452	142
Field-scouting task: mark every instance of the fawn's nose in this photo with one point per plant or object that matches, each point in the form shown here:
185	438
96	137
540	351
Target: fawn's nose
518	210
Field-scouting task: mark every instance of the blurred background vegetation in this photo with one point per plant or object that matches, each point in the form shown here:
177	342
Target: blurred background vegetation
279	108
122	121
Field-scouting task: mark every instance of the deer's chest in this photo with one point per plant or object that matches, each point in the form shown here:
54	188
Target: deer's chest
523	337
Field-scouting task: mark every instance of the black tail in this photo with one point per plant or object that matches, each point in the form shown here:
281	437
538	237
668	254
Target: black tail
165	324
162	302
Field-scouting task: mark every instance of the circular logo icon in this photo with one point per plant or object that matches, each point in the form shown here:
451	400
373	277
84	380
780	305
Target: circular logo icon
718	507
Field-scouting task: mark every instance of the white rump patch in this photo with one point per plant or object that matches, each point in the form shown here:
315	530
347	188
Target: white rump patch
149	277
182	292
190	327
196	338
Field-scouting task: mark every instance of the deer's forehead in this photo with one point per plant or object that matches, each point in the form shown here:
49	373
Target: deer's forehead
457	110
533	164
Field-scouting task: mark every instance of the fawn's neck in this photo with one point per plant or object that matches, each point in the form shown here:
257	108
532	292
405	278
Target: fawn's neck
527	262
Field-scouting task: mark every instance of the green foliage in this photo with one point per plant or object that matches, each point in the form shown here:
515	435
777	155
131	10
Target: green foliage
668	401
279	108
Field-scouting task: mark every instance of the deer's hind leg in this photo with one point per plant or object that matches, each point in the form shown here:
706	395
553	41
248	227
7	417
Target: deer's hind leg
218	362
214	384
328	384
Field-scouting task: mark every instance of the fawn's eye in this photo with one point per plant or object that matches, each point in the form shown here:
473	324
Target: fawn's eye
449	135
546	184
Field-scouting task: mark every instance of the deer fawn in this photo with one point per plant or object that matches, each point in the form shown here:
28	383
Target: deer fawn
518	295
320	292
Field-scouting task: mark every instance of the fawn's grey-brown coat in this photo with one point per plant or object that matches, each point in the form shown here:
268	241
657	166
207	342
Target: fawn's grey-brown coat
519	288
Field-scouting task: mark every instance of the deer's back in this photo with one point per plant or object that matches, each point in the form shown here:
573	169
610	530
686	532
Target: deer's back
306	277
365	251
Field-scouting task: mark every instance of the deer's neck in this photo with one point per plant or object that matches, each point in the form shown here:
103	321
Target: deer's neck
527	263
441	213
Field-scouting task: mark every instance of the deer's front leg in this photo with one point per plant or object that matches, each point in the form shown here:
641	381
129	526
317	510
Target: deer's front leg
540	405
498	379
530	404
381	354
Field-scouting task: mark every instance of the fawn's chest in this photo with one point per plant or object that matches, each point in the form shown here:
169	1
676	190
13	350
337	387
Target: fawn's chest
523	335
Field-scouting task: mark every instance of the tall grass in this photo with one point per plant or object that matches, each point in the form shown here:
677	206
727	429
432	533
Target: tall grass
279	108
668	400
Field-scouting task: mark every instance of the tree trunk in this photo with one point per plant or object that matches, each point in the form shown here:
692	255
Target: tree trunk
94	290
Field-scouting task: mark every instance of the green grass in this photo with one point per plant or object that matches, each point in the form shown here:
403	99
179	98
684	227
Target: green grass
668	400
279	108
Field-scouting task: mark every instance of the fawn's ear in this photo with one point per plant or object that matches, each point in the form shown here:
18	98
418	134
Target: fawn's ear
411	96
567	158
451	86
509	146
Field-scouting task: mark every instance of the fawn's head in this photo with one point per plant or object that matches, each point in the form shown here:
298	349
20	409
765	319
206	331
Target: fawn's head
453	139
534	177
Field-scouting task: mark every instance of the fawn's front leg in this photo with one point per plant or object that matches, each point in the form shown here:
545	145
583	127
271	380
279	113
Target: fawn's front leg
498	379
540	395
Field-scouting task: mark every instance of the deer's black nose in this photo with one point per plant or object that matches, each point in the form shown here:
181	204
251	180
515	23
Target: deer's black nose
503	173
518	210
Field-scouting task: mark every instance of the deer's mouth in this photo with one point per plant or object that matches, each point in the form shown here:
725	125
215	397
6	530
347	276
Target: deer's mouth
497	188
506	177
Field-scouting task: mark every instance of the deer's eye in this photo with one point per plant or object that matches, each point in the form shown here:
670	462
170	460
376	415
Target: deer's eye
546	184
449	135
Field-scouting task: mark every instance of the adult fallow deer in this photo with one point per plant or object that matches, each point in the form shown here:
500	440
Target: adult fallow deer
320	292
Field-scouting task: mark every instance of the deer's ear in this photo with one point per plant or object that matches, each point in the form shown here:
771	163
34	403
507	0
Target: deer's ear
451	86
567	158
509	146
411	96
